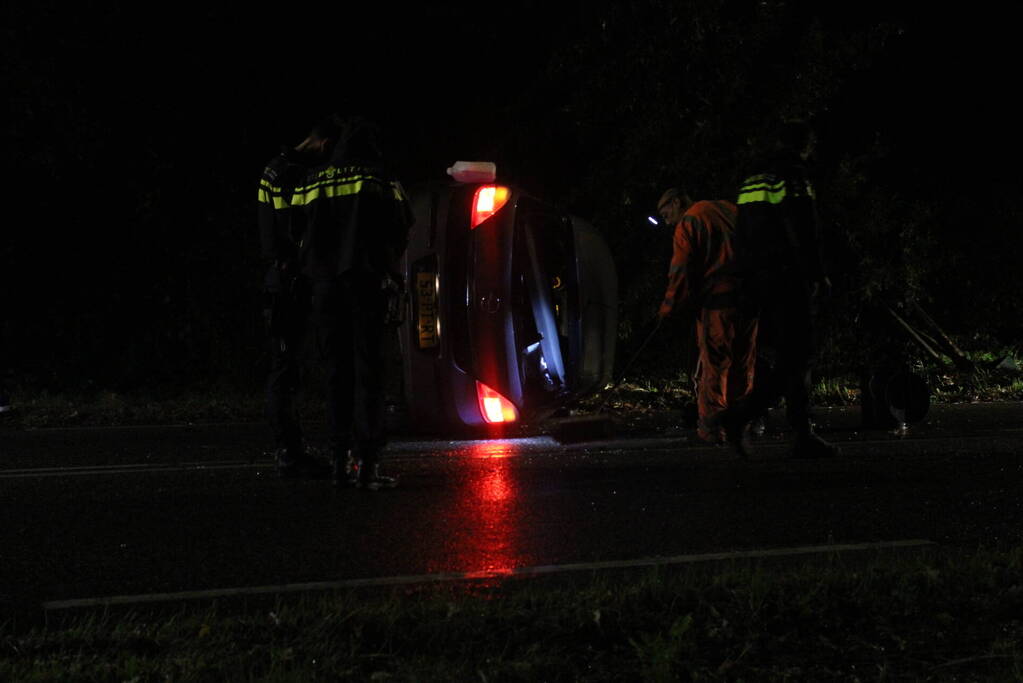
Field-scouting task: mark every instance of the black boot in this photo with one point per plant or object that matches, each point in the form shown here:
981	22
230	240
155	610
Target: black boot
736	428
370	479
738	436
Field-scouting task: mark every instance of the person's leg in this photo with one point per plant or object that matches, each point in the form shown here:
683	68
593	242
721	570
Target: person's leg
715	339
749	391
368	367
334	327
286	332
768	381
795	361
743	353
732	344
795	353
281	386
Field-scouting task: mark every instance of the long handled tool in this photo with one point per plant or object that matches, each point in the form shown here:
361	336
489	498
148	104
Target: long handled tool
598	425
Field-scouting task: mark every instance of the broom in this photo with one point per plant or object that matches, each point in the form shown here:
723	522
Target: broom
598	425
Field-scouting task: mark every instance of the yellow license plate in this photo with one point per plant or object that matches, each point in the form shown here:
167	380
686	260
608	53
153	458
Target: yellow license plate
426	305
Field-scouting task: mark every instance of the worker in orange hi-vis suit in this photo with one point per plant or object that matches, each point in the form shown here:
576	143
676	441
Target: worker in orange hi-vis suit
701	278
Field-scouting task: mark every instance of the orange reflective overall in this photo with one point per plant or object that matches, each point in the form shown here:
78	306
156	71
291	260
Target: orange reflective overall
701	275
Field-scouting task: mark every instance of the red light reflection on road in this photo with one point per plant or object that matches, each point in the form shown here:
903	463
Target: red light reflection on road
488	513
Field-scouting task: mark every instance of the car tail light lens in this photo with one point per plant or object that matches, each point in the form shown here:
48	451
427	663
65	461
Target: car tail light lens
496	409
487	201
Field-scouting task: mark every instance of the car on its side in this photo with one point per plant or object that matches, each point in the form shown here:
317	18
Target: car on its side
513	305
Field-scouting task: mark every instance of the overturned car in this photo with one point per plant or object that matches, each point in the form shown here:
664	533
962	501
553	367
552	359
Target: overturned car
512	308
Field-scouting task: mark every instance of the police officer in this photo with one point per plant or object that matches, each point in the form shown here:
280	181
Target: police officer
779	258
282	228
357	218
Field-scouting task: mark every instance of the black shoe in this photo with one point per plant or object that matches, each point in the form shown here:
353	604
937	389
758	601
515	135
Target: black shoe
737	437
735	429
370	479
736	433
810	446
344	470
302	466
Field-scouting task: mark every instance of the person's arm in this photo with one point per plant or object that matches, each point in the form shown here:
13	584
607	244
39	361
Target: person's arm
679	289
275	212
802	215
266	214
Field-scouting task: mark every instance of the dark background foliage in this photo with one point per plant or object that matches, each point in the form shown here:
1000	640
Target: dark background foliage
135	136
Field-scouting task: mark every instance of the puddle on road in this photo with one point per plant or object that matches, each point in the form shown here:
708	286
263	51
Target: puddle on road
486	512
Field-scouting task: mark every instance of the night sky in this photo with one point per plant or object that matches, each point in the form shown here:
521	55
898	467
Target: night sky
127	115
211	78
187	81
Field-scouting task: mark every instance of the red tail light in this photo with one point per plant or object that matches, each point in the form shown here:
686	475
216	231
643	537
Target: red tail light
488	200
494	407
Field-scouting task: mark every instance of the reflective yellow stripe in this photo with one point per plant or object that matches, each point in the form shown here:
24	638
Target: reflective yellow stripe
754	192
761	196
270	194
330	185
307	195
763	185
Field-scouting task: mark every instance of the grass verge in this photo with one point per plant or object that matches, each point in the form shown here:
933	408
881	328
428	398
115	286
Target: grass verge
932	616
640	398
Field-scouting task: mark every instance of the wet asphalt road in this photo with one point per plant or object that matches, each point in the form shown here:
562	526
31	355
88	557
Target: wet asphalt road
124	511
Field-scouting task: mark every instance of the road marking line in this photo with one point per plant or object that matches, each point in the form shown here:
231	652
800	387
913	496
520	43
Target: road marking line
93	470
124	466
518	447
444	577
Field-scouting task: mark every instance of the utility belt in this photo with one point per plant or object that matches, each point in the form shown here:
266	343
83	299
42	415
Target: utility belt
288	300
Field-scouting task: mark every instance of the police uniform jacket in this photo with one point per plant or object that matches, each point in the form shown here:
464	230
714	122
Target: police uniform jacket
777	231
357	218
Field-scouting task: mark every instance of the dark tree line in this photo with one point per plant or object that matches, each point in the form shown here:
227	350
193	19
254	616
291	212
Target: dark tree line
918	192
129	256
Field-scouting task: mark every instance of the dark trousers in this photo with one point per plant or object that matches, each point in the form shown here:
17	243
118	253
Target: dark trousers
348	319
786	333
286	315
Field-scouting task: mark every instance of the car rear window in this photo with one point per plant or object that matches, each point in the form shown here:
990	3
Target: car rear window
544	267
